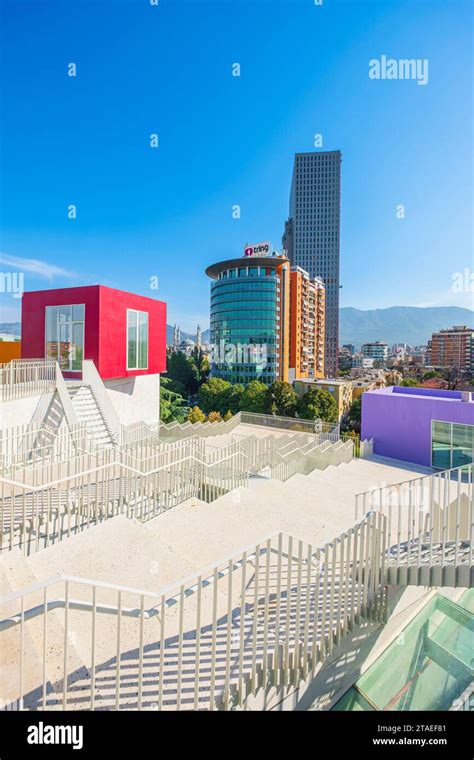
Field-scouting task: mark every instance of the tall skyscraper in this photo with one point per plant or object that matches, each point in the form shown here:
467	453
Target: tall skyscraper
312	233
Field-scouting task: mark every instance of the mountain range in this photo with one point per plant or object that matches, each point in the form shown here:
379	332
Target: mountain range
397	324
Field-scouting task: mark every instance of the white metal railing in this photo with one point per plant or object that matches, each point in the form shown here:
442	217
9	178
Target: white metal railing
56	499
66	483
176	430
22	378
42	407
294	424
91	377
430	525
33	449
255	624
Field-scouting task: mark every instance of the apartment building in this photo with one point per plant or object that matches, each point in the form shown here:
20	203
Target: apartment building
307	325
453	347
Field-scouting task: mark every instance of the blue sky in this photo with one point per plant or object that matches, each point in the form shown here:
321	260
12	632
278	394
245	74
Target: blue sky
224	140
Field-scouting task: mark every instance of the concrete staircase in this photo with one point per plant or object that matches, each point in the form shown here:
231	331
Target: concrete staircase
150	556
88	411
158	667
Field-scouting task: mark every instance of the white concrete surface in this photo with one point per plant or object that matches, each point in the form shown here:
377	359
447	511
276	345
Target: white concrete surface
136	399
18	411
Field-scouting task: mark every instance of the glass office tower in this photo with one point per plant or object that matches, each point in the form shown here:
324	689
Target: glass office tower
249	319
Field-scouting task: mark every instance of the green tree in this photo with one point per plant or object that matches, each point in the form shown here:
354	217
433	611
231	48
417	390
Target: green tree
175	386
182	370
430	375
231	400
409	382
254	397
317	404
201	362
228	416
354	415
196	415
281	399
172	405
213	395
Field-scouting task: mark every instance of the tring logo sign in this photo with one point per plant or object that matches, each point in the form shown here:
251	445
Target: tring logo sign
258	249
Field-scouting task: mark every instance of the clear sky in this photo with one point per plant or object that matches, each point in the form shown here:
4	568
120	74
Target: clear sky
166	212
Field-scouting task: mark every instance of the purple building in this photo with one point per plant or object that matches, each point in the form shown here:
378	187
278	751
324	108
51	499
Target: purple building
434	428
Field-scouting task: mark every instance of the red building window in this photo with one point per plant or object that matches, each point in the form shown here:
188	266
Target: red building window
137	339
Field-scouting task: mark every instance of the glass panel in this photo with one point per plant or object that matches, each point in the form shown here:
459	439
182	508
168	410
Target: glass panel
77	345
78	313
441	445
64	313
64	338
51	332
64	345
463	444
142	340
132	340
433	666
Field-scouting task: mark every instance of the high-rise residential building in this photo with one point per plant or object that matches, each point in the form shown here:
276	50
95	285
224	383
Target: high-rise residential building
307	325
377	350
312	233
453	347
250	303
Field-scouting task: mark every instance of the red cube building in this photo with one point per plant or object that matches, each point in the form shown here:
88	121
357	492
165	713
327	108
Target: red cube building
123	333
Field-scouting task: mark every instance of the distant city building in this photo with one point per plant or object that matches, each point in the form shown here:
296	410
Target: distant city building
453	347
198	337
341	390
369	373
186	346
176	337
307	325
361	386
250	307
312	233
350	348
364	362
399	351
377	350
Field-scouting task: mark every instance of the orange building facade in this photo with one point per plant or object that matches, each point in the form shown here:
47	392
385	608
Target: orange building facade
307	325
284	337
9	350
